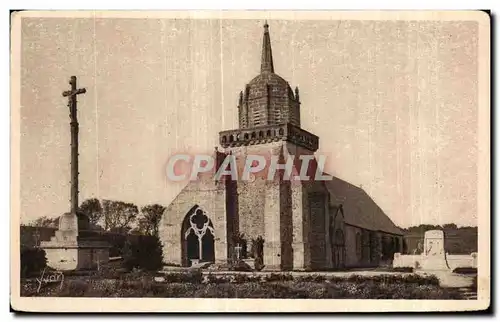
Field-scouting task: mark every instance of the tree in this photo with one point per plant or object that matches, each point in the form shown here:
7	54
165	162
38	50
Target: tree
150	219
46	222
93	210
118	215
450	227
143	252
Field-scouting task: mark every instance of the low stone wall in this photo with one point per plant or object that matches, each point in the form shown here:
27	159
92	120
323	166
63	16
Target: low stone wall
453	261
414	261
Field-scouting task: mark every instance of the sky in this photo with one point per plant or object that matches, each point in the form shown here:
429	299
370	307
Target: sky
394	103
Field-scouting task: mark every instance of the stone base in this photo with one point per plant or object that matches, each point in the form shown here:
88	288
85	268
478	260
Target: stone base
75	254
435	264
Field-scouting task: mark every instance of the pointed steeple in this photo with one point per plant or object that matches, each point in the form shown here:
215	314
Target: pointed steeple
266	64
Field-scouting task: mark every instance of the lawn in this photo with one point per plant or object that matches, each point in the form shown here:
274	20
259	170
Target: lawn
194	285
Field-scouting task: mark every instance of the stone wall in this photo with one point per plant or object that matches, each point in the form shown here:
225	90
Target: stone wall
414	261
318	232
365	247
252	198
453	261
209	196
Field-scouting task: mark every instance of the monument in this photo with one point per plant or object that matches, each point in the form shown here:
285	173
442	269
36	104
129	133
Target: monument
434	254
73	246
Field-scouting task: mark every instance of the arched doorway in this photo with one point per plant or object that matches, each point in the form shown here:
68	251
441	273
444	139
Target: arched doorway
197	237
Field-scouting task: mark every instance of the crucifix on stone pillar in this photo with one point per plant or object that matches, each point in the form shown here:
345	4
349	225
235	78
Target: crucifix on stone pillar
71	95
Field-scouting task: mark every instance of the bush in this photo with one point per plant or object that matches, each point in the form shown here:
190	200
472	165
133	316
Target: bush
33	261
278	277
312	278
75	288
243	278
183	287
193	277
240	266
214	279
388	279
465	270
145	252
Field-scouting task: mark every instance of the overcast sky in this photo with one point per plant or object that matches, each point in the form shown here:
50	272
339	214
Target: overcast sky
393	102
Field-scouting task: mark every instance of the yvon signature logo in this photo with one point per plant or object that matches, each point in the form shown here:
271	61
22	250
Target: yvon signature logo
51	277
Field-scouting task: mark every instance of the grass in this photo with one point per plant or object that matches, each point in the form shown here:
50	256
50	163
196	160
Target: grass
314	286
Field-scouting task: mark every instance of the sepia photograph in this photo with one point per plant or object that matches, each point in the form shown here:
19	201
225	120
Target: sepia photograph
250	161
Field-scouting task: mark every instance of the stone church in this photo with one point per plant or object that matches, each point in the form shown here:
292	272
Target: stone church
305	225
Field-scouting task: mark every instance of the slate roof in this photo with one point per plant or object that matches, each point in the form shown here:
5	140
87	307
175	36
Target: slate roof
359	208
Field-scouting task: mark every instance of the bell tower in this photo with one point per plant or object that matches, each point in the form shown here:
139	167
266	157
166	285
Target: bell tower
275	209
268	109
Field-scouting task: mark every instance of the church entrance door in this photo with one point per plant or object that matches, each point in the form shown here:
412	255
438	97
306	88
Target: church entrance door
198	238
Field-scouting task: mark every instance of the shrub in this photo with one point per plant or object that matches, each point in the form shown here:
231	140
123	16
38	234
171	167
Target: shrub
145	252
74	288
312	278
193	277
243	278
240	266
465	270
278	277
392	279
33	261
144	287
214	279
130	256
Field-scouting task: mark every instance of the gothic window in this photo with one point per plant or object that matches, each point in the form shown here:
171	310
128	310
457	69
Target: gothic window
224	139
261	134
230	138
199	236
268	132
246	136
254	135
281	131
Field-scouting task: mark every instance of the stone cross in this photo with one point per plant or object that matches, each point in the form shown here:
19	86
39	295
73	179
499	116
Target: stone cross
238	250
71	95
